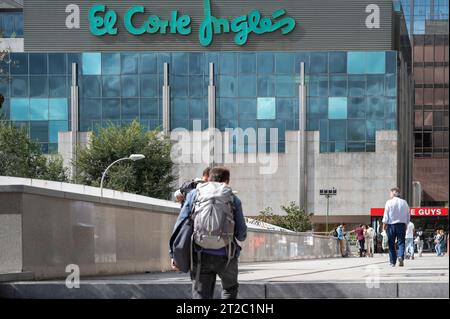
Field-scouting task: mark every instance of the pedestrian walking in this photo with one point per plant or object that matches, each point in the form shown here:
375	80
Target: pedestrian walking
395	218
419	241
361	240
437	242
341	240
442	242
369	235
409	241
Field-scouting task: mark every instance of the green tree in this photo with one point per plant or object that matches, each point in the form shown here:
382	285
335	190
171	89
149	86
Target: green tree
295	218
22	157
152	176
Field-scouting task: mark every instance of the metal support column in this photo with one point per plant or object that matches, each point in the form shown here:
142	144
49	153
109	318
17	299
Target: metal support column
211	115
302	142
74	107
166	100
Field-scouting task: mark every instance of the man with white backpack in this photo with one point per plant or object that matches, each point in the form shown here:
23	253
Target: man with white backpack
218	221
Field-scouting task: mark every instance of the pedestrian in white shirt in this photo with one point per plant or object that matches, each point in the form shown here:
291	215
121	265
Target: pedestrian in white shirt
369	234
409	241
396	217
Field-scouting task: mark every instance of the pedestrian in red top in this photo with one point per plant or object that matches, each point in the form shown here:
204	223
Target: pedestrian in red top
360	236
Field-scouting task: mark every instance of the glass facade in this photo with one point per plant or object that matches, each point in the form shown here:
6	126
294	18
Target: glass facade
350	95
11	24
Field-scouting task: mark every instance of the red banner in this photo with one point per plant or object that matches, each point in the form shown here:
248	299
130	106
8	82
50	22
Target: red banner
416	211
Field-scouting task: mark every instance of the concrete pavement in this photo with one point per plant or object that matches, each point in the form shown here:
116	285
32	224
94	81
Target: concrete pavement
424	277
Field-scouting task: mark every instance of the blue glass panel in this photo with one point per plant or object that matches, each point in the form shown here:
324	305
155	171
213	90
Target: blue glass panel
23	126
301	57
285	86
161	59
19	86
228	109
227	86
356	85
375	85
356	130
38	86
340	147
390	112
197	109
266	109
196	83
391	62
318	62
338	130
92	63
53	148
391	124
57	126
323	129
265	63
180	63
266	86
247	63
391	85
39	131
284	63
285	109
149	109
375	62
57	86
110	109
111	63
338	85
324	147
247	86
196	63
247	110
58	109
356	147
19	63
73	58
130	86
149	85
129	63
337	108
317	109
180	111
91	86
5	110
375	108
179	86
318	85
57	63
90	111
111	86
227	124
130	109
357	108
228	63
370	147
38	63
372	126
211	57
4	86
338	62
148	63
20	110
356	63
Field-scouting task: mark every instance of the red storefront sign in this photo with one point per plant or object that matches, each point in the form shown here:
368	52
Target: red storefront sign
415	211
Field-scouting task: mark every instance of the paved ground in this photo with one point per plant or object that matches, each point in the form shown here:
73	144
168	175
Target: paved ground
354	277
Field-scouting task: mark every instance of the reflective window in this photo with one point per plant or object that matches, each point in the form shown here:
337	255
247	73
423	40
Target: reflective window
390	111
247	86
130	86
196	84
19	64
228	109
148	63
266	86
375	85
4	86
38	63
54	127
247	110
285	109
356	63
284	63
356	130
110	109
391	62
197	109
266	108
111	86
375	62
130	109
19	109
111	63
90	110
38	109
196	63
180	110
228	63
318	62
318	85
337	130
149	85
247	63
337	108
57	63
180	63
38	86
285	86
265	63
58	109
57	86
317	109
375	108
338	85
227	86
129	63
391	85
149	109
179	86
356	85
338	62
39	131
357	108
92	63
19	86
161	59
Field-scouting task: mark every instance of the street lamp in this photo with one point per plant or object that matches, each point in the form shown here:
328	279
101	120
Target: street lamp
132	157
328	193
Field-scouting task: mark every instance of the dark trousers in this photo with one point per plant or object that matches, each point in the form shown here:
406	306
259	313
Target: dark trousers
396	231
361	247
210	266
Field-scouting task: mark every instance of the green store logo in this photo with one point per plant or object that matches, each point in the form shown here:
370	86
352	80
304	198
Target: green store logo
103	21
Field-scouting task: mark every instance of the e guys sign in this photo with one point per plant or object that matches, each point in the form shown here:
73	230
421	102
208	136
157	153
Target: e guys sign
103	21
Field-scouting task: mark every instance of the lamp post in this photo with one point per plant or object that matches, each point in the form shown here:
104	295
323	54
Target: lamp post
328	193
132	157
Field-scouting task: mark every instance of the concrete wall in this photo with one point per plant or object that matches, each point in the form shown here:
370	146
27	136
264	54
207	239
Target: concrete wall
45	226
362	180
66	149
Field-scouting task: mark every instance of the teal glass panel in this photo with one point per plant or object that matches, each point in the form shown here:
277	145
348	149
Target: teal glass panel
39	109
371	127
74	58
391	124
162	57
324	147
356	108
356	147
196	63
370	147
375	62
391	62
129	63
337	62
318	62
91	86
57	63
284	63
110	109
58	109
19	86
318	85
130	86
20	65
56	126
317	109
266	86
266	108
39	131
57	86
4	85
196	83
197	109
111	63
337	108
390	112
180	63
92	63
247	110
228	63
247	85
130	109
111	86
340	147
375	108
285	86
338	85
375	85
227	86
356	63
391	85
147	63
285	109
38	63
265	63
356	130
19	109
338	130
149	109
301	57
228	109
356	85
39	86
323	129
247	63
90	111
149	85
180	109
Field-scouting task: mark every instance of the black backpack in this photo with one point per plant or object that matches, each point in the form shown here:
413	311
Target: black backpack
335	233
